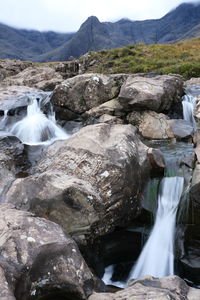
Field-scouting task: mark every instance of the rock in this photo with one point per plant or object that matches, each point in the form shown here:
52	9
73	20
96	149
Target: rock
41	77
10	67
15	96
151	125
158	93
192	81
109	119
90	183
12	160
38	259
182	129
195	185
171	287
189	262
83	92
156	159
111	107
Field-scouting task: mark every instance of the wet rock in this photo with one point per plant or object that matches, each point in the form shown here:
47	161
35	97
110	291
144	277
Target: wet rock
89	183
41	77
83	92
15	96
157	93
171	287
156	159
195	186
12	160
38	259
151	125
189	262
182	129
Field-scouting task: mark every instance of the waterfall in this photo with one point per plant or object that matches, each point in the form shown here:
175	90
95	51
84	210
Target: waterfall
188	103
3	120
157	257
36	128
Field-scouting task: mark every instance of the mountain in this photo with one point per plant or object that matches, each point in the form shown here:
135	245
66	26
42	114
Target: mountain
27	44
180	23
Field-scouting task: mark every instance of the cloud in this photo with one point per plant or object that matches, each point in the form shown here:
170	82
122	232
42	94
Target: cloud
68	15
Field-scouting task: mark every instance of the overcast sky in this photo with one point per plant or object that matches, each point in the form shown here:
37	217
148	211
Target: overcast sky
68	15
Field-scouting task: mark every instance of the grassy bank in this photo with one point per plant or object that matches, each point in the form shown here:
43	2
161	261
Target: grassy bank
182	58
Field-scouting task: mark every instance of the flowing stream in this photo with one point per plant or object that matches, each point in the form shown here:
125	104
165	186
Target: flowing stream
36	128
157	256
188	103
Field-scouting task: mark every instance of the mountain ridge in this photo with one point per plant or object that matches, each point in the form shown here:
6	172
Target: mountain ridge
177	24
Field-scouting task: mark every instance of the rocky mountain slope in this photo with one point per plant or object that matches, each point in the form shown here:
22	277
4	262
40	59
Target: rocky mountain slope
181	23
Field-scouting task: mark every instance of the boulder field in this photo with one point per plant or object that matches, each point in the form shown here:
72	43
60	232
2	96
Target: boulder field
88	185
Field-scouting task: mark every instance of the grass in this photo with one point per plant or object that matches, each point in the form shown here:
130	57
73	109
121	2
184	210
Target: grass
182	58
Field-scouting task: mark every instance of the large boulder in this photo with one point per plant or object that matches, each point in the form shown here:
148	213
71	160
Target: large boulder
171	287
41	77
39	260
157	93
83	92
151	125
89	183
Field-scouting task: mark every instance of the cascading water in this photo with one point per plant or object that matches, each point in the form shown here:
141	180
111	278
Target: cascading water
3	120
36	128
157	257
188	103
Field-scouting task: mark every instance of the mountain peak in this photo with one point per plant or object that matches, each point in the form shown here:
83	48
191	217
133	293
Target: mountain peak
91	20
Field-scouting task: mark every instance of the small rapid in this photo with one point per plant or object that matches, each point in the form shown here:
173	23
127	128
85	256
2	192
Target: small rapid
36	128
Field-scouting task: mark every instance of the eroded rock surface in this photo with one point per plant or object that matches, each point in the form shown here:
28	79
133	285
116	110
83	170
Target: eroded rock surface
41	77
39	259
12	160
89	183
83	92
151	125
167	288
157	93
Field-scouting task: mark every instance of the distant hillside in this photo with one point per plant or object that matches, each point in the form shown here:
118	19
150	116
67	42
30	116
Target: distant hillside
181	23
181	58
27	44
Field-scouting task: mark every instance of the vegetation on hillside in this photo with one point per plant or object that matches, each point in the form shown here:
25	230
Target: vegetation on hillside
181	58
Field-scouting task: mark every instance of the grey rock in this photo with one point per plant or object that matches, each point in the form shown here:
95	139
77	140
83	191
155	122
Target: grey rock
151	125
171	287
41	77
181	129
89	183
157	93
39	259
83	92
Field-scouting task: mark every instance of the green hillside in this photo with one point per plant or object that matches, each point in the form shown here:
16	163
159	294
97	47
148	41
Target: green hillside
182	58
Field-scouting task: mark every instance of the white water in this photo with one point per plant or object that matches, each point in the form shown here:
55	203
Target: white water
36	128
107	278
188	103
157	256
3	120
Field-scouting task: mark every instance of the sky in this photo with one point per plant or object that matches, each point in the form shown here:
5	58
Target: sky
68	15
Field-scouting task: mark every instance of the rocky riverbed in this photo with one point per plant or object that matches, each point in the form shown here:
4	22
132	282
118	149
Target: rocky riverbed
61	210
